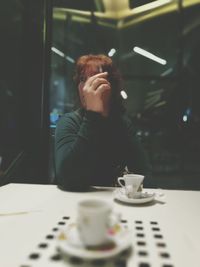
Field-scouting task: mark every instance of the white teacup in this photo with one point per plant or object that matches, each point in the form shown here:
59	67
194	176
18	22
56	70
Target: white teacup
132	183
94	220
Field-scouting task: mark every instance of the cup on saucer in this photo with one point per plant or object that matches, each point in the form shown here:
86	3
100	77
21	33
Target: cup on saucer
95	218
132	184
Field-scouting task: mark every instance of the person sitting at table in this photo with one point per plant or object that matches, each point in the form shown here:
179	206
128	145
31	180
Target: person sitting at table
95	143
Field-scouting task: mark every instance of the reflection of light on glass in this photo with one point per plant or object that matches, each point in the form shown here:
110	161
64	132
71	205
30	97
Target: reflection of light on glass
149	55
54	116
166	72
185	118
70	59
155	4
187	114
139	133
188	111
112	52
58	52
61	54
124	94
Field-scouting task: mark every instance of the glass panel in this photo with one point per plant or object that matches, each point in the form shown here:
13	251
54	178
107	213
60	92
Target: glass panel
147	44
136	3
22	87
11	29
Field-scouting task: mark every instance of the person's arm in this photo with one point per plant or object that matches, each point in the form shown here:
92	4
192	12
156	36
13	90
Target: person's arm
74	149
75	140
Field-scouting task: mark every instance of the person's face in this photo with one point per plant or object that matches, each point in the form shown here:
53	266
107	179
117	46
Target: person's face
89	72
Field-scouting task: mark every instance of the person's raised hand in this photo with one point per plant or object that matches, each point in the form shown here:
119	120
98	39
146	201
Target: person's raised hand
95	93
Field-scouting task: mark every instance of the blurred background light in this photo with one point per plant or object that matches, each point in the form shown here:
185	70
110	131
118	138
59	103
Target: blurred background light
149	55
58	52
124	94
112	52
185	118
61	54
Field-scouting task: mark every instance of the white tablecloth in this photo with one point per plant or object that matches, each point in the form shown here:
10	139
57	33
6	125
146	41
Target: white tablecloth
28	213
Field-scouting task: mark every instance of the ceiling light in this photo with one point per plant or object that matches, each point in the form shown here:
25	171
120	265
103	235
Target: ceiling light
58	52
70	59
61	54
185	118
124	94
112	52
149	55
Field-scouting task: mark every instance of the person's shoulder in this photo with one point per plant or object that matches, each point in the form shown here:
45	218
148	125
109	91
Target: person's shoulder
65	118
70	118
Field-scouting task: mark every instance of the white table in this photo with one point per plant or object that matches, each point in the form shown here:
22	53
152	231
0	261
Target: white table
28	213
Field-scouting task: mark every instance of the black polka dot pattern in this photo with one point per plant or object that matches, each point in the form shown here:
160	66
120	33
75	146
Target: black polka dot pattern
158	236
143	230
140	235
138	222
142	253
156	229
50	237
61	223
161	245
66	218
141	243
43	245
164	255
34	256
144	264
139	228
56	257
153	222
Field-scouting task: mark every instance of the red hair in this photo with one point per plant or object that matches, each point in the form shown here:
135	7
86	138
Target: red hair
89	65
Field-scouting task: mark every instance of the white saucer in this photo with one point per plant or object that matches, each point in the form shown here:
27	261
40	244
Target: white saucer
69	243
120	195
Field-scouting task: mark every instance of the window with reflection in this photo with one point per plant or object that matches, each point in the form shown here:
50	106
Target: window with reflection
155	44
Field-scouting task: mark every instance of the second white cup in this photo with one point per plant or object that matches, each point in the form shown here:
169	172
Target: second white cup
131	184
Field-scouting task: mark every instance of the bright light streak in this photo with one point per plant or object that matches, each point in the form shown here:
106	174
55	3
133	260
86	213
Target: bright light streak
124	94
70	59
61	54
167	72
58	52
149	55
185	118
112	52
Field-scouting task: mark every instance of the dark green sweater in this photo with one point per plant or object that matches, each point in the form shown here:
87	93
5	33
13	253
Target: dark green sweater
93	150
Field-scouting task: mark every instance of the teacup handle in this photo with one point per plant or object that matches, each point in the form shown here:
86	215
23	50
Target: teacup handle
119	181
